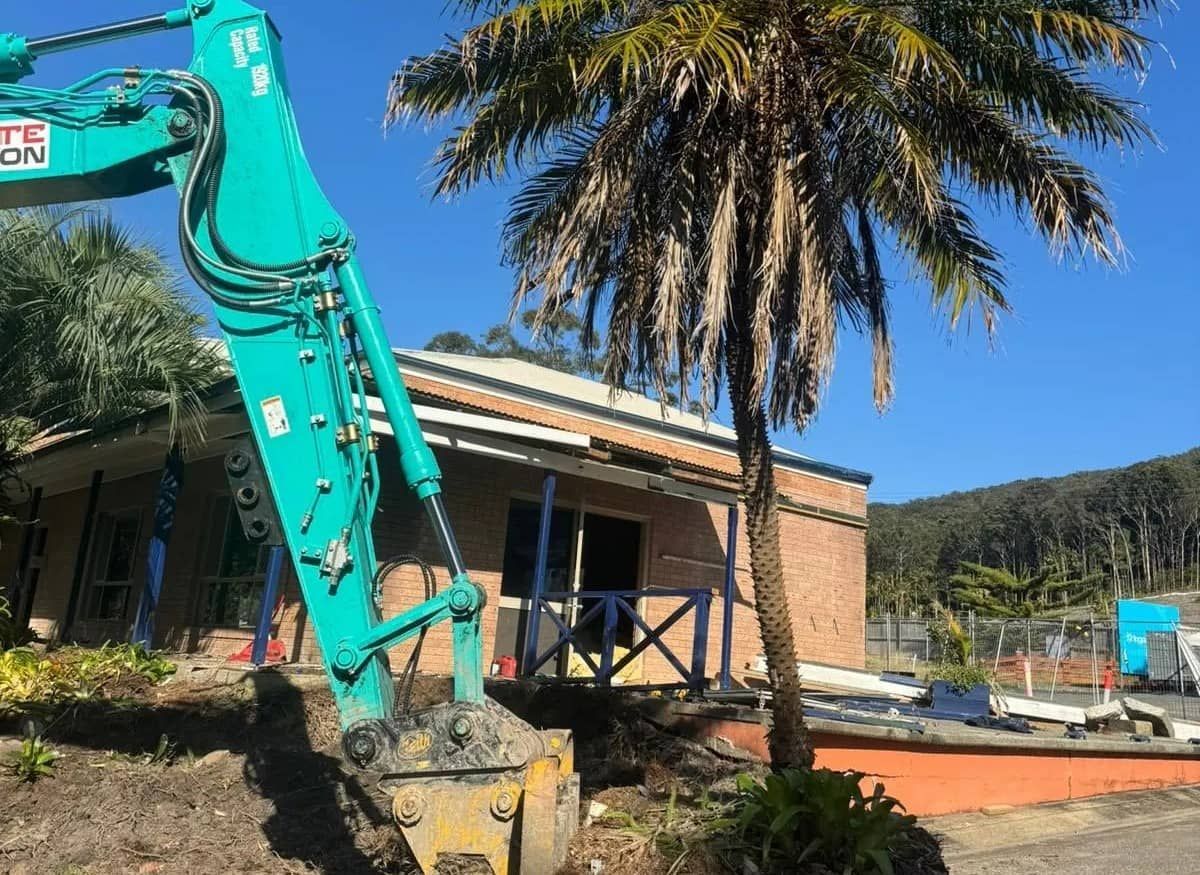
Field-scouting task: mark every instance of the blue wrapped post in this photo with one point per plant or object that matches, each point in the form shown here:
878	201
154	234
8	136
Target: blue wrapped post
608	641
539	574
700	640
262	632
728	595
169	487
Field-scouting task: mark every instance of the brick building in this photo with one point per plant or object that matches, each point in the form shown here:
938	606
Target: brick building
641	500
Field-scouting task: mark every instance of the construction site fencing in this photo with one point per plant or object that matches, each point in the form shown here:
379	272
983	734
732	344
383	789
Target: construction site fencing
1074	661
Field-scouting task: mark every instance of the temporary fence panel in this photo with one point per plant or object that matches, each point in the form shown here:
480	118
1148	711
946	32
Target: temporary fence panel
1077	661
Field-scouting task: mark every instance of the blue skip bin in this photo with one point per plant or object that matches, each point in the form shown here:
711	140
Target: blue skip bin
1134	620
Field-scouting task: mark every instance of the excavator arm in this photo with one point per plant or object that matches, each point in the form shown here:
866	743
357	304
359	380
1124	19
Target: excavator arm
304	336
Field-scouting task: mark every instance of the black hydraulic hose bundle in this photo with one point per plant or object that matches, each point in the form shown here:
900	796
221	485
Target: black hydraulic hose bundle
205	173
409	675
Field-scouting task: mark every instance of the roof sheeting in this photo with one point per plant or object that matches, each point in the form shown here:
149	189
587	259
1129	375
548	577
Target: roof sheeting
570	386
555	389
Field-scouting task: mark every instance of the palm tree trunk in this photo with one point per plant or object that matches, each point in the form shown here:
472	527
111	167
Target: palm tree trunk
789	744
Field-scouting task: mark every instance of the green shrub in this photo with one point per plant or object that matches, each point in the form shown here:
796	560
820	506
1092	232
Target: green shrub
817	817
73	674
949	638
33	761
26	677
962	678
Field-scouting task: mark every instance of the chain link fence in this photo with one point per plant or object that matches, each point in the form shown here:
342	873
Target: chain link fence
1075	661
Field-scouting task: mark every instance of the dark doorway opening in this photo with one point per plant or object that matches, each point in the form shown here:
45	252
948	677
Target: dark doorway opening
611	560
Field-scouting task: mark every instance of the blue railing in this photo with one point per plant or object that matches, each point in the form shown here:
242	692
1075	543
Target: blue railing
613	605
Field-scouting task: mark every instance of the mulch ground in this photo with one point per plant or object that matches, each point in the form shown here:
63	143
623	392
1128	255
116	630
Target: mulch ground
188	778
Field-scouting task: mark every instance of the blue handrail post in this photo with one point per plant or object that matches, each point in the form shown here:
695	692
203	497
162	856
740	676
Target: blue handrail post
609	641
728	595
169	487
539	574
700	640
266	609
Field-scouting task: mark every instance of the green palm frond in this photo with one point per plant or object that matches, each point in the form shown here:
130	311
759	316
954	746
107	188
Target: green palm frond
94	327
909	48
712	182
705	39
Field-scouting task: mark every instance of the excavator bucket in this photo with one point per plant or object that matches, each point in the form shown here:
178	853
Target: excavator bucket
476	789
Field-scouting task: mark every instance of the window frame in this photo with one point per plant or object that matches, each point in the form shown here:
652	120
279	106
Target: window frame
207	581
101	558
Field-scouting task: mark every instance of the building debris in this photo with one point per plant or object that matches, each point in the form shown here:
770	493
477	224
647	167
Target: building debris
1158	718
1098	715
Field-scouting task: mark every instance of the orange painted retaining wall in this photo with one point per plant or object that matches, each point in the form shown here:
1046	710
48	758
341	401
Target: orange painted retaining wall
944	779
933	777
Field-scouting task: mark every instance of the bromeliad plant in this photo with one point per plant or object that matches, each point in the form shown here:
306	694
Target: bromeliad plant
800	818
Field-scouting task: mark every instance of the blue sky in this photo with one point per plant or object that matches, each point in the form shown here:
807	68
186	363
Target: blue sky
1094	369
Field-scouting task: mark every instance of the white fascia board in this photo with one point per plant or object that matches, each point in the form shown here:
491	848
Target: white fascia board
854	680
494	424
440	435
647	431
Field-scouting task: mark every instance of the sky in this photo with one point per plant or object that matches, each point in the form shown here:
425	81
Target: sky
1094	369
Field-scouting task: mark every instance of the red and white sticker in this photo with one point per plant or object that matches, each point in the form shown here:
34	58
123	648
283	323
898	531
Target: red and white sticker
24	145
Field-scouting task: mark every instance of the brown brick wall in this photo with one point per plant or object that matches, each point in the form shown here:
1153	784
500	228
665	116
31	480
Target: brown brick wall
684	546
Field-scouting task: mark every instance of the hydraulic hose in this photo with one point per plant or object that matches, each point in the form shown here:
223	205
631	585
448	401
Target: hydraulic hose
216	123
191	252
408	676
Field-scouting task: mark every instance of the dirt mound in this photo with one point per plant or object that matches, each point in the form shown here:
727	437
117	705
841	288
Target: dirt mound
196	778
199	779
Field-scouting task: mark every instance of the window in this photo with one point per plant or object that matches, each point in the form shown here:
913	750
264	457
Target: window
233	571
520	550
114	560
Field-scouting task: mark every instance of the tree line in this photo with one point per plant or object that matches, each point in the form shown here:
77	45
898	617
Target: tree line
1083	540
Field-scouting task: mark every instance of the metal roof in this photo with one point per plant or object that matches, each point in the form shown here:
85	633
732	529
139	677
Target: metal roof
547	387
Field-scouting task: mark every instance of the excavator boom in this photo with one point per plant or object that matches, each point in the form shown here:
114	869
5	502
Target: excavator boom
304	337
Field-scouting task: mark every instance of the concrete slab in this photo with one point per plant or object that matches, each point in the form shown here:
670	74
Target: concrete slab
1073	836
1154	715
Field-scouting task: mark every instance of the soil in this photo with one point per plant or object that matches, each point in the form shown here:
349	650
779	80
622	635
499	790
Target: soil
201	778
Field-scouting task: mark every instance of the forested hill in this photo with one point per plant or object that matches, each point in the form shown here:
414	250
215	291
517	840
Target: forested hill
1135	530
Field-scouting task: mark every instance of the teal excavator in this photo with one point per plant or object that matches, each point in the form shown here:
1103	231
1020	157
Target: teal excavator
471	784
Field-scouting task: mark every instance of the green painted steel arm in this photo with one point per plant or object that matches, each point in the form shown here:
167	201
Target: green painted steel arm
290	297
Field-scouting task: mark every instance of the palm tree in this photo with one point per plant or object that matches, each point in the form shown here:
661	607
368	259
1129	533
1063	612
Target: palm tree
712	183
94	327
